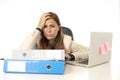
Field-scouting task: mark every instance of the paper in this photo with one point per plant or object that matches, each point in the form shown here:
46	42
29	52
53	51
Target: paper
104	48
16	66
107	46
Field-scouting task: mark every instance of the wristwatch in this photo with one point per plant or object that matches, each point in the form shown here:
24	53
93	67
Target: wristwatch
72	57
38	29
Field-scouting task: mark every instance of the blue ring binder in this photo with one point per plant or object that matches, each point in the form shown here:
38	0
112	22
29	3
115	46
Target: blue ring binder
34	66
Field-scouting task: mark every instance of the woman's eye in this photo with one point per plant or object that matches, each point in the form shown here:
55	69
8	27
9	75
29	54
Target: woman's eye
52	26
45	26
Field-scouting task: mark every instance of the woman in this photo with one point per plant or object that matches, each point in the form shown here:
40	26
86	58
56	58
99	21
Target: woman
49	35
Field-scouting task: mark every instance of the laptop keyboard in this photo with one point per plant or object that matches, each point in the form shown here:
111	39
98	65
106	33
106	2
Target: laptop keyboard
83	62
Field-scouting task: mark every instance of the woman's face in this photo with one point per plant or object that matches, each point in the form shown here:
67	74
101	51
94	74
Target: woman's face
51	29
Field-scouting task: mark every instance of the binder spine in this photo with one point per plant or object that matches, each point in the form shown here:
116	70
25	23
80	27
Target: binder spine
38	54
34	66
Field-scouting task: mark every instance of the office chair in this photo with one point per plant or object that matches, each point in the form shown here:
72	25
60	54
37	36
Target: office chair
67	31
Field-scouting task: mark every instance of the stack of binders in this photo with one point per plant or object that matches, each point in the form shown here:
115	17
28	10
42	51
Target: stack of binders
36	62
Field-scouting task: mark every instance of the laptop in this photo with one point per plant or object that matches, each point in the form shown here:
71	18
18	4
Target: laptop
100	50
39	54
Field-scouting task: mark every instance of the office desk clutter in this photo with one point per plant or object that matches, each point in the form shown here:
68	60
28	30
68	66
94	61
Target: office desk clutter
35	62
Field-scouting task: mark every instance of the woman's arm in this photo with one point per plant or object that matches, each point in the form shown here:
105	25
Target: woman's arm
31	41
79	51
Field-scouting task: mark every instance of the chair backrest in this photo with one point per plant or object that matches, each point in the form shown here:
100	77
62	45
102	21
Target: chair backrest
67	31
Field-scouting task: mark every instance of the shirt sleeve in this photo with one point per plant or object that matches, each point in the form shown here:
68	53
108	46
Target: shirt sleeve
79	51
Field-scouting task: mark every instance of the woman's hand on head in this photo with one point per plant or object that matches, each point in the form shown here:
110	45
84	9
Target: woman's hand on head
43	19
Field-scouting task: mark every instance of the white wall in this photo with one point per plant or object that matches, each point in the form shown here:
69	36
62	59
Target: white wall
19	17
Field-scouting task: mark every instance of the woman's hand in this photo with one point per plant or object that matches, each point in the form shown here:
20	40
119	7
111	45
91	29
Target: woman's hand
67	56
43	19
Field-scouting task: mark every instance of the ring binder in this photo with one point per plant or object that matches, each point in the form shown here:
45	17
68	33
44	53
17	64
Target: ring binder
34	66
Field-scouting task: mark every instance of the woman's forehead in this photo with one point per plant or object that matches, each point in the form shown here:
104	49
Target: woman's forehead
51	21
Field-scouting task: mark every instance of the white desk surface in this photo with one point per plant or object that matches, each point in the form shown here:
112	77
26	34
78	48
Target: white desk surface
107	71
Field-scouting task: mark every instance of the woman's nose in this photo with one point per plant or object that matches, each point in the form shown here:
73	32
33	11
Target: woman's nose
48	29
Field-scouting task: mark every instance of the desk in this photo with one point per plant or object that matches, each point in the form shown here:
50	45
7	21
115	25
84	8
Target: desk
107	71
